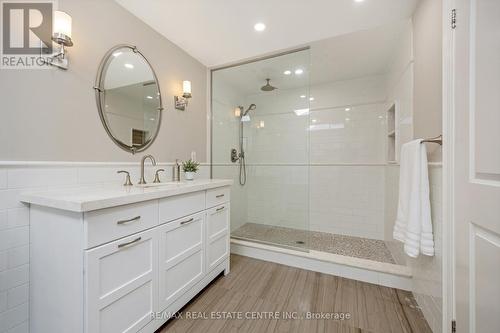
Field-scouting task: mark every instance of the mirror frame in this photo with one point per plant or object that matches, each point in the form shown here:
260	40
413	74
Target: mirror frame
99	95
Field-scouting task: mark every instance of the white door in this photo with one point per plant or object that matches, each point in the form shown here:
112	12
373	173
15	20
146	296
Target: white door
477	165
182	257
121	284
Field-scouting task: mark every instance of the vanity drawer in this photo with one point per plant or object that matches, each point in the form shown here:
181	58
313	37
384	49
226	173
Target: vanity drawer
181	205
109	224
217	196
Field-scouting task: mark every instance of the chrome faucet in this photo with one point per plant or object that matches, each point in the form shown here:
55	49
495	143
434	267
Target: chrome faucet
143	160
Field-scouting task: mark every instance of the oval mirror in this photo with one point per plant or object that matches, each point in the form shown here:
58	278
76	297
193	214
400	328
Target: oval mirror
128	98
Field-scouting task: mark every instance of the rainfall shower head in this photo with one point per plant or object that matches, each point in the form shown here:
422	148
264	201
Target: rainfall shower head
267	86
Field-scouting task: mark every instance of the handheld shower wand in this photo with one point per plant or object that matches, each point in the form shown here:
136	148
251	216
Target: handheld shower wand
240	157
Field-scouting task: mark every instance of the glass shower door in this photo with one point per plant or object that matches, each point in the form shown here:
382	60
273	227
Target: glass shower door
260	138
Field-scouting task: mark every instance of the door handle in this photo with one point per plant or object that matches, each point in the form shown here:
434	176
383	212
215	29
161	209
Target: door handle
129	220
219	196
129	243
220	208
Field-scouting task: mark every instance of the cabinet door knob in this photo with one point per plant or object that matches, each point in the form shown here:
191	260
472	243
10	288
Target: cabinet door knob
129	243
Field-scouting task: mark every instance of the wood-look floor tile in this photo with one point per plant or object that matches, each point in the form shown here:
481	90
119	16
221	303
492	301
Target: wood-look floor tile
255	286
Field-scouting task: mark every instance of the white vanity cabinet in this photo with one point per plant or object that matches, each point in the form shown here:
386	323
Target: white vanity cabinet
124	268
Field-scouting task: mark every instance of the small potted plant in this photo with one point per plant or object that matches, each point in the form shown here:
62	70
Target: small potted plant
190	167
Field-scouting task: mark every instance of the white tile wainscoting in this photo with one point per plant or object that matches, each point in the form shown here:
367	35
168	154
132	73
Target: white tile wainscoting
18	177
426	271
345	199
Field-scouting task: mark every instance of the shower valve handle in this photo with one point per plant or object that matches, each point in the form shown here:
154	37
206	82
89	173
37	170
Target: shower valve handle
234	155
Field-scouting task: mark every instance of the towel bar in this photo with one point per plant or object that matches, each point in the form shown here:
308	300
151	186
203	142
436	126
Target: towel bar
438	139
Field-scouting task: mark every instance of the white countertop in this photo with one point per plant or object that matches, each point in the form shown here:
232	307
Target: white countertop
88	198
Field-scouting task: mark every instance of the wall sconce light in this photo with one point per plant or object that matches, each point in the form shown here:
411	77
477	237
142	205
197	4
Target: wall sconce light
237	112
181	102
61	34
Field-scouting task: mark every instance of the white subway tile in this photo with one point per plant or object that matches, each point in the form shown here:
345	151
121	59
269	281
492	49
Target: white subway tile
93	175
10	198
17	295
14	277
3	261
3	178
13	317
21	328
3	219
3	301
38	176
18	217
18	256
14	237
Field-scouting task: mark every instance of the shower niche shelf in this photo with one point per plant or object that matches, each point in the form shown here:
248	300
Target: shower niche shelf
391	134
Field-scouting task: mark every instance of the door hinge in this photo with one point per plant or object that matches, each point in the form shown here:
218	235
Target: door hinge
453	326
453	18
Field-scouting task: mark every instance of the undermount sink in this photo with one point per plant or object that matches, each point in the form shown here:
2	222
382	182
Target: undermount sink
159	184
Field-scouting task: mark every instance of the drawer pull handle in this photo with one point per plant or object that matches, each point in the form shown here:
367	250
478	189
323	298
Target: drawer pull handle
219	196
187	221
129	220
129	243
220	208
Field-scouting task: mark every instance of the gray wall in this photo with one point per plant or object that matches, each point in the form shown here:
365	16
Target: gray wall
427	46
51	115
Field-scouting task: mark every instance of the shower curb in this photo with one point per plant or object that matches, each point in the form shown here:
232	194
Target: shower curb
385	274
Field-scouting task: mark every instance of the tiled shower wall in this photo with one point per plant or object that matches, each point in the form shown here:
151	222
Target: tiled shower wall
14	223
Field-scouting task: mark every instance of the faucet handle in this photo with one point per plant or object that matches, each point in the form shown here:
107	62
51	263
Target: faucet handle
128	182
157	176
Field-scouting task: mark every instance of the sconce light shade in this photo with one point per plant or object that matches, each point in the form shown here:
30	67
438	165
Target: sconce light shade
237	112
186	89
181	102
61	28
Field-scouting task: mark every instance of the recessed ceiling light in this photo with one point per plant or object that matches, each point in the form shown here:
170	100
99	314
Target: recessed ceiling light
380	117
259	26
314	120
311	99
299	71
348	109
287	72
130	66
347	119
302	96
359	0
149	97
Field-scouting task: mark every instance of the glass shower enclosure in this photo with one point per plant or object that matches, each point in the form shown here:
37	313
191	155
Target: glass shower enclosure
260	139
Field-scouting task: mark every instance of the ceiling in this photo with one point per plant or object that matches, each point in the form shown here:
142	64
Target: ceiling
218	32
346	57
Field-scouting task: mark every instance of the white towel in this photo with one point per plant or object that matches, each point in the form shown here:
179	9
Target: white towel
413	224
